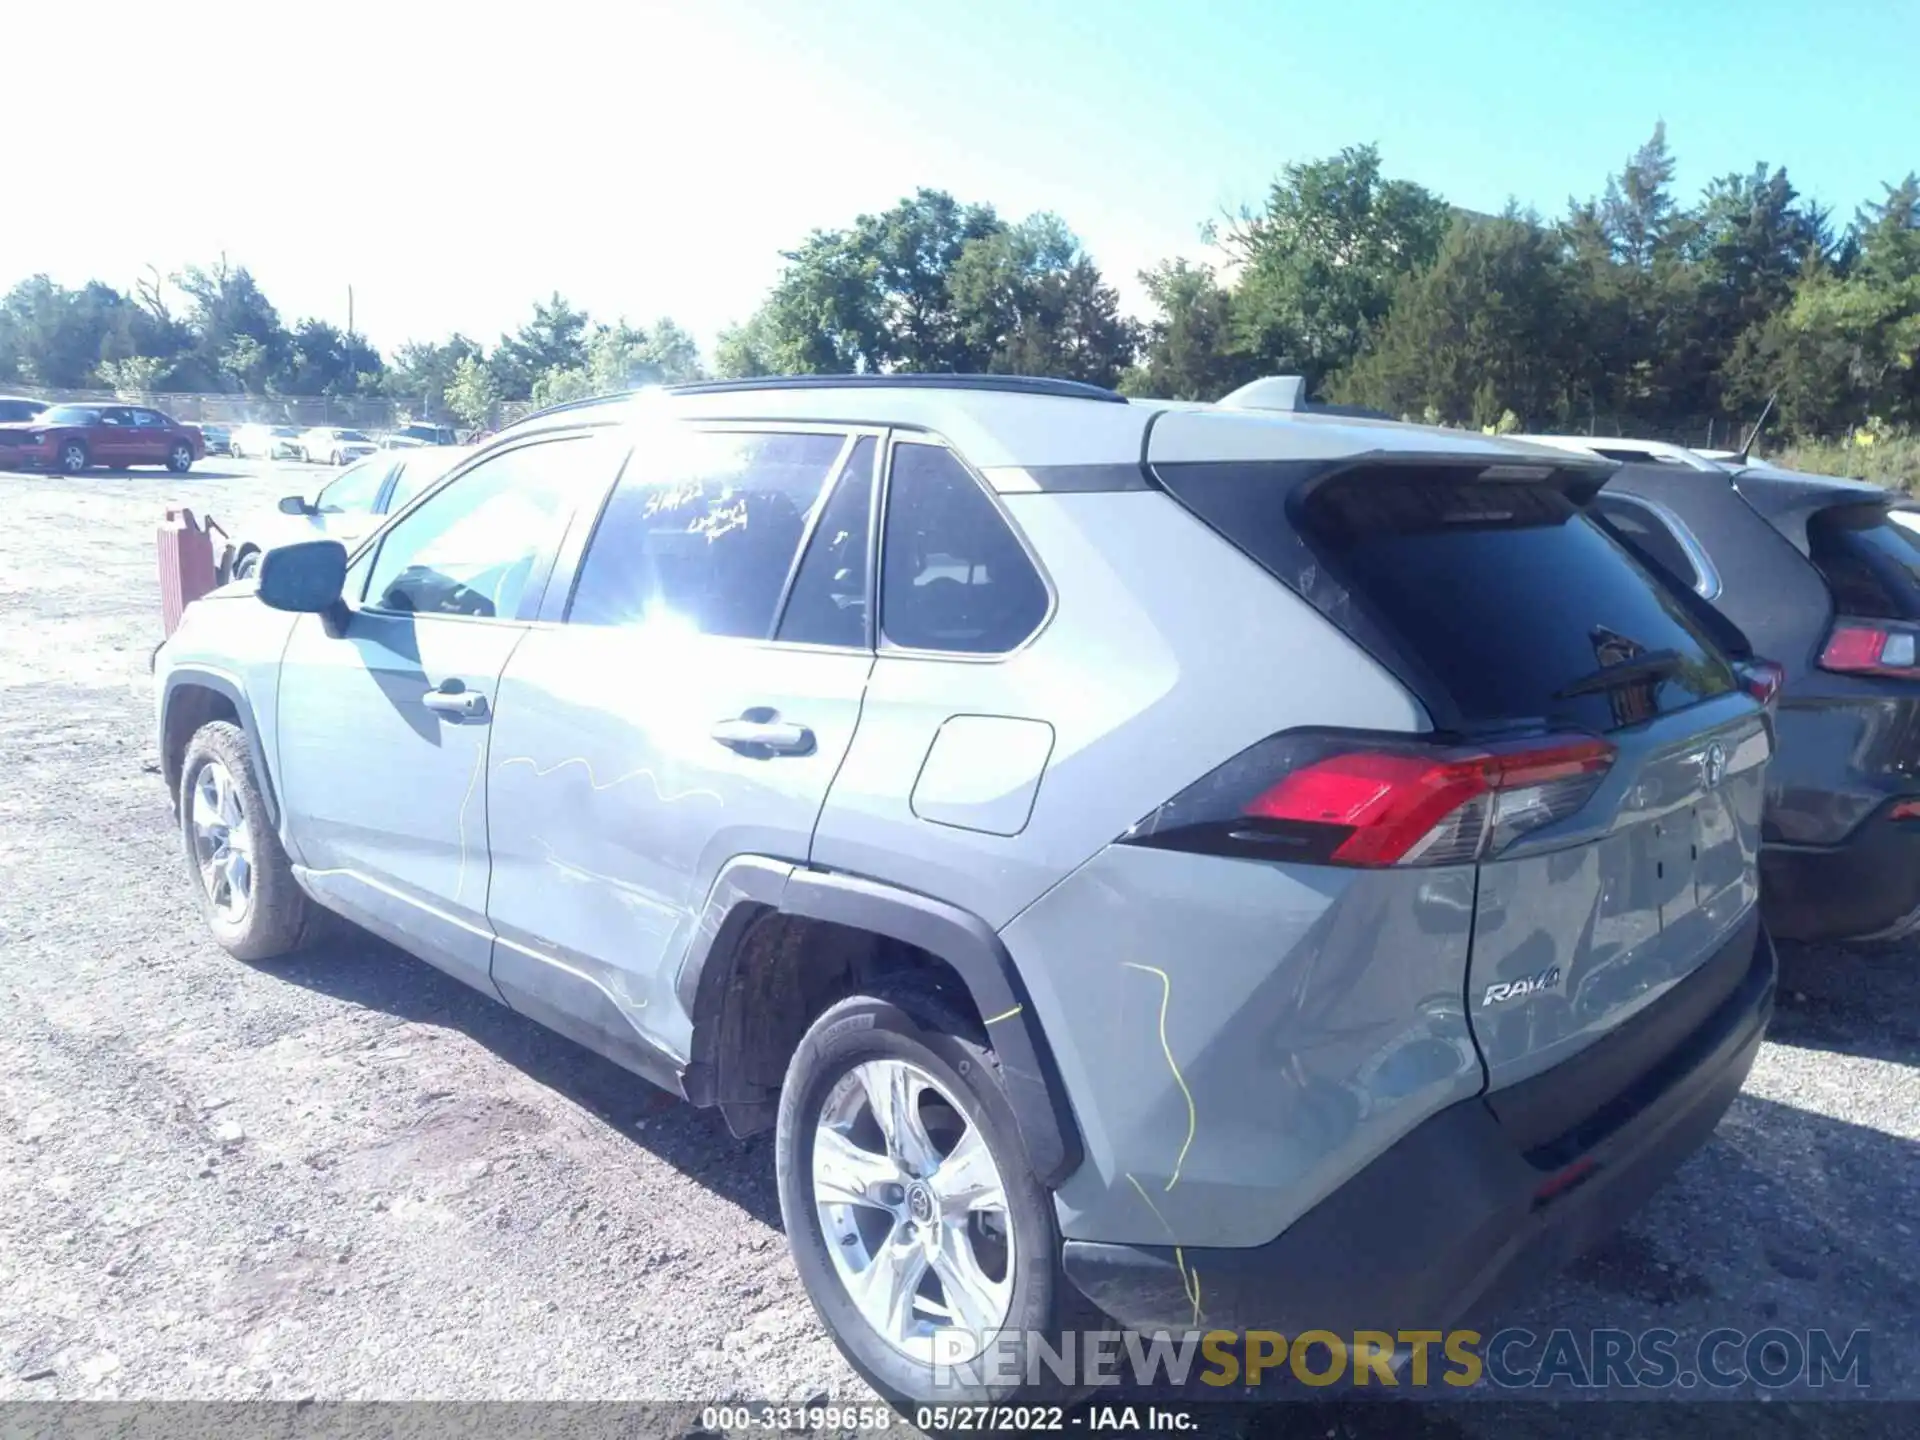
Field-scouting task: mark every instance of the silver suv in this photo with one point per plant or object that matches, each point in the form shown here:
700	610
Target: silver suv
1231	866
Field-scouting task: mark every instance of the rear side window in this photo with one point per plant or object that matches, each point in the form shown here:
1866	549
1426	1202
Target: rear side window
1870	557
703	530
954	576
1647	533
1503	601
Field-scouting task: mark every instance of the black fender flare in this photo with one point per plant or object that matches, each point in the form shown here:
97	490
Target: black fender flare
754	888
229	689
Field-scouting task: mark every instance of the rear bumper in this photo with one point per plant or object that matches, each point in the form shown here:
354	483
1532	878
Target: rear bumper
1866	888
1453	1217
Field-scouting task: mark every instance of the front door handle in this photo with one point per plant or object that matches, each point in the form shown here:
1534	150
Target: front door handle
762	738
454	699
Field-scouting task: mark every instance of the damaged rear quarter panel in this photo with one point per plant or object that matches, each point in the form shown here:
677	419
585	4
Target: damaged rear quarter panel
1238	1037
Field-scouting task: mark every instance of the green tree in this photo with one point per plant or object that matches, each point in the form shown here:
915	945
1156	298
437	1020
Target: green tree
1188	349
422	373
239	342
135	376
875	297
1489	330
554	339
321	360
1027	300
1320	263
473	391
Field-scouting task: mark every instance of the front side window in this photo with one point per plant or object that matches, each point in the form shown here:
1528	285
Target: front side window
121	418
702	531
954	576
473	548
355	491
149	420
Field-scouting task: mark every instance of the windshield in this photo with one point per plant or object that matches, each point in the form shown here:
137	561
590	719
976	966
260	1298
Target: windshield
71	415
288	432
352	435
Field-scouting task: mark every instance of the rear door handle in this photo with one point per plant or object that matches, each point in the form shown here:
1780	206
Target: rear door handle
763	738
454	699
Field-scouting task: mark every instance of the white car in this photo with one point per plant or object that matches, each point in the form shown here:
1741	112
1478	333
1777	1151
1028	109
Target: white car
347	508
1638	452
331	445
266	442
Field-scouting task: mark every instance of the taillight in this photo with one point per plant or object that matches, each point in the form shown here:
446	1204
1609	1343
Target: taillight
1761	679
1369	801
1862	647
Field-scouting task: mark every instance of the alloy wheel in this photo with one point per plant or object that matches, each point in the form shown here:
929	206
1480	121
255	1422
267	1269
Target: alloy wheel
222	843
914	1211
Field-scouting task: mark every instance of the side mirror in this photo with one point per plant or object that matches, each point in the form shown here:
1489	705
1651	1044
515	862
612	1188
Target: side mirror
306	578
294	505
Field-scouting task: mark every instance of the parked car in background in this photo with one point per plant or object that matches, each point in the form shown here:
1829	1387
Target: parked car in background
347	508
267	442
219	438
419	433
1822	576
19	407
332	445
73	438
1379	930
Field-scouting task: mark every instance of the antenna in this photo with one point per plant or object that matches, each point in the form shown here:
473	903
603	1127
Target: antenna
1746	447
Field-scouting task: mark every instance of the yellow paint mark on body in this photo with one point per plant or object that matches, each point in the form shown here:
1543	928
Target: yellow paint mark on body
1193	1118
1189	1277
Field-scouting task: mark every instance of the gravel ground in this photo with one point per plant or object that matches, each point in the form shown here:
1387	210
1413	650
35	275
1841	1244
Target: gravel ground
351	1178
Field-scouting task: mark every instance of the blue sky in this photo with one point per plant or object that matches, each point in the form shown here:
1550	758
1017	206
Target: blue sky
656	158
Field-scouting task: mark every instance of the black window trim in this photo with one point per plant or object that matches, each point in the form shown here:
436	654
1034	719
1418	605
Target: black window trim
568	567
532	599
1707	586
896	438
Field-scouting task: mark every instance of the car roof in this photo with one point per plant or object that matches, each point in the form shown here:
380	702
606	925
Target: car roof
1011	423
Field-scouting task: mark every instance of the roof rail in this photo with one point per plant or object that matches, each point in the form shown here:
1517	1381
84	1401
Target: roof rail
586	402
1013	384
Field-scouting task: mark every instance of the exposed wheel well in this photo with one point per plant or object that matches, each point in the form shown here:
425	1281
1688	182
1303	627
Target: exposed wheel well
188	708
787	970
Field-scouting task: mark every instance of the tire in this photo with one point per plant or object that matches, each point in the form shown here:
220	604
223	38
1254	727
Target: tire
911	1027
246	564
335	460
180	458
74	457
223	817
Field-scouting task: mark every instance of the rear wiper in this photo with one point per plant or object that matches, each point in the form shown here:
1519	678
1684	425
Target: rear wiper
1653	665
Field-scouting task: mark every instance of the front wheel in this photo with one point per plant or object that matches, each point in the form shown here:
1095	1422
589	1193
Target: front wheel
247	565
917	1226
74	457
241	875
180	458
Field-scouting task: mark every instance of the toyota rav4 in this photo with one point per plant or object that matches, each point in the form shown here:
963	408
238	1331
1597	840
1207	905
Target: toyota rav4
1232	866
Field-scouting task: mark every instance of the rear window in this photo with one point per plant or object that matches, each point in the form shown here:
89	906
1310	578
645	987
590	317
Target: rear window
1497	601
1870	557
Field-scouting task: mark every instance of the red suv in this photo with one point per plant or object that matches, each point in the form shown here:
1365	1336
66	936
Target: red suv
114	437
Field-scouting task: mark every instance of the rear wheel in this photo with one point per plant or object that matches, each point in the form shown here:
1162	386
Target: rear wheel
74	457
242	877
916	1224
180	458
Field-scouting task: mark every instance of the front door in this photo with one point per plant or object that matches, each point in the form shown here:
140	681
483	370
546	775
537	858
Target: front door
114	441
384	726
692	708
